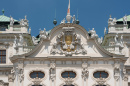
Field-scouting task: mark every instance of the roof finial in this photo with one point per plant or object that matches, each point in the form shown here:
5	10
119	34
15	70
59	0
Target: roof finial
68	12
55	22
3	11
77	14
77	21
68	17
55	13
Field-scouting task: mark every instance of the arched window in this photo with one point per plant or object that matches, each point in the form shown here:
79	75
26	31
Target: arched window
100	74
37	74
68	74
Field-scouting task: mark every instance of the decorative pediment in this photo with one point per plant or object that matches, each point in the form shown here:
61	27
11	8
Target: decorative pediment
68	43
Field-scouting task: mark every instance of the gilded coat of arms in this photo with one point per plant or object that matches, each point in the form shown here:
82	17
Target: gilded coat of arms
69	43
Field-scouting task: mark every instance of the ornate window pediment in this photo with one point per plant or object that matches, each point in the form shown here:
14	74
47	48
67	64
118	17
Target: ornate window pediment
68	43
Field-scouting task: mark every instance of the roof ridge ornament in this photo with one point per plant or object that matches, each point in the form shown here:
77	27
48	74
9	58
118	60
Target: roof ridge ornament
3	11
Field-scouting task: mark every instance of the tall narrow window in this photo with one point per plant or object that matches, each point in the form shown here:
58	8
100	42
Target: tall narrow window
2	56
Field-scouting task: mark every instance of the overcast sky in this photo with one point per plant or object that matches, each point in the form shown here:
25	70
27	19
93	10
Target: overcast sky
41	13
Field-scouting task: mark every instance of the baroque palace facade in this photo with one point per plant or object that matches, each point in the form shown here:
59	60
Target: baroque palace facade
67	55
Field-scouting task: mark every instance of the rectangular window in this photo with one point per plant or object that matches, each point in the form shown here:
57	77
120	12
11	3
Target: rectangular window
2	56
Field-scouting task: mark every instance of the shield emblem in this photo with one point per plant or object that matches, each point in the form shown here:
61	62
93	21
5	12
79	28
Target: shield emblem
68	39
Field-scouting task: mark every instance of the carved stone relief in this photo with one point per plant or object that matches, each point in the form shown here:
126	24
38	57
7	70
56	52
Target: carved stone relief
117	72
52	71
85	71
69	42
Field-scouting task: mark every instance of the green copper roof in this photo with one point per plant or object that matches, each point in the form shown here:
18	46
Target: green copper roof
121	19
6	19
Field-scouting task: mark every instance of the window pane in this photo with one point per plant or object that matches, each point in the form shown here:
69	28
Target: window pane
3	52
3	59
33	75
40	75
65	75
104	75
72	74
97	74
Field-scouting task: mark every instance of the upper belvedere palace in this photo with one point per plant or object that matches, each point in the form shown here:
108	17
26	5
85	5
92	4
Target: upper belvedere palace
67	55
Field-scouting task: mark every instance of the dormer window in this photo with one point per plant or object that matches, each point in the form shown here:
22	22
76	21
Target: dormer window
2	56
